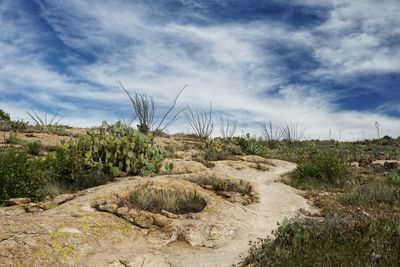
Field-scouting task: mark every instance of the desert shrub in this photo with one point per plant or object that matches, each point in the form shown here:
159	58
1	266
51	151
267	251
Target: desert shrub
330	243
216	184
215	149
323	167
21	176
175	201
373	194
34	147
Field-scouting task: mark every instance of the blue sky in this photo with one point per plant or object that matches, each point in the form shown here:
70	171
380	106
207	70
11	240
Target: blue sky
324	65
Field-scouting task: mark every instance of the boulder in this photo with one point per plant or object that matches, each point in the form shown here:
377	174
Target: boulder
18	201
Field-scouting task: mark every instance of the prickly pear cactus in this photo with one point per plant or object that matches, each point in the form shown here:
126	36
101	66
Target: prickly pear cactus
117	149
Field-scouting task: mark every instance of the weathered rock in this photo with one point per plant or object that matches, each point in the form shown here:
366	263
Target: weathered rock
169	214
183	166
18	201
60	199
122	211
161	220
141	218
200	234
33	208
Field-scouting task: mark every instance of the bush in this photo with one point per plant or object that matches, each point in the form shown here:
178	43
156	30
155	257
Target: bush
34	147
325	167
175	201
21	176
330	243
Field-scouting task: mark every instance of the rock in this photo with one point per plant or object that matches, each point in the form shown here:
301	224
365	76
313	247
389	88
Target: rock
202	235
60	199
69	230
109	207
12	211
161	220
355	164
183	166
141	218
33	208
122	211
169	214
18	201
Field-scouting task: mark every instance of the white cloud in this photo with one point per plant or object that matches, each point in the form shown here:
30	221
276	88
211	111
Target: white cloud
230	64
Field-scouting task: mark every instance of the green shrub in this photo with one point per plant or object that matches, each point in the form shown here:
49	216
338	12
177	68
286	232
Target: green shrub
329	243
116	149
21	176
34	147
4	117
324	167
175	201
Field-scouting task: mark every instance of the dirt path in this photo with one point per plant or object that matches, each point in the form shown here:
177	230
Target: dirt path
74	234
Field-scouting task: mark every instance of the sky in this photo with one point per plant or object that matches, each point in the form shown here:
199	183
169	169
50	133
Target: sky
331	67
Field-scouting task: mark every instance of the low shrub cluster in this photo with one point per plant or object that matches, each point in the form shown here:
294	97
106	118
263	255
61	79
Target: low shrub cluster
156	200
249	145
319	168
334	242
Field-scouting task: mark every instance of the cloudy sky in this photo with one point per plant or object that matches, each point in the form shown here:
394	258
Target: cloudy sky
323	65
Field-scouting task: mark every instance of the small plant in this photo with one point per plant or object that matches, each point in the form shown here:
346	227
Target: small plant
34	147
156	200
324	167
201	122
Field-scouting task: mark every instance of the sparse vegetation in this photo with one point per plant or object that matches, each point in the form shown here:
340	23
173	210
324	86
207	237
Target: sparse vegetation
156	200
333	242
216	184
144	111
202	122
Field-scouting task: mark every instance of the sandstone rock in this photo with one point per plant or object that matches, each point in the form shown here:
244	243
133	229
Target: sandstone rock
169	214
183	166
60	199
161	220
141	218
122	211
33	208
202	235
18	201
